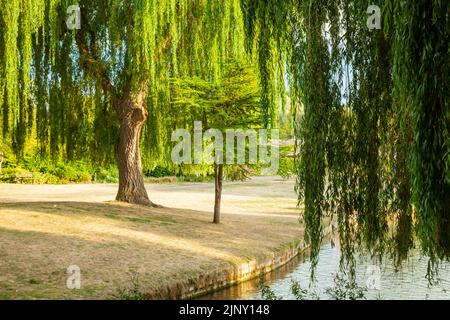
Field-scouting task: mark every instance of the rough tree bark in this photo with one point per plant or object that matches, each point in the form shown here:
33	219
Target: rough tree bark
218	177
130	106
132	114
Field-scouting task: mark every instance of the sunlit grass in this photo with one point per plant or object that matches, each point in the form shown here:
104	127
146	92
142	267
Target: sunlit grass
39	240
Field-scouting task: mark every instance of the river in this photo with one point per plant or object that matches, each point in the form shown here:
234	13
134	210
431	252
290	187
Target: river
379	282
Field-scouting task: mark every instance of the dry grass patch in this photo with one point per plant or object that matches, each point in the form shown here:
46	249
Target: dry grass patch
109	241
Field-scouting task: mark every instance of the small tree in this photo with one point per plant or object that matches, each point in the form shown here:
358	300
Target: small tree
232	103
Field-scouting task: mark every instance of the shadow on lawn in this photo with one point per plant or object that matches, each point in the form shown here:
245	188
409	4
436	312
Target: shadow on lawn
182	229
39	240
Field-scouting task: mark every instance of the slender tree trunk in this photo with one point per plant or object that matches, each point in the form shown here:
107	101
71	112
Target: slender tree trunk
218	177
131	179
1	161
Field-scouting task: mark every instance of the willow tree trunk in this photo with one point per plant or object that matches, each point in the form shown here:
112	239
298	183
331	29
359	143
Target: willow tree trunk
131	111
131	179
218	177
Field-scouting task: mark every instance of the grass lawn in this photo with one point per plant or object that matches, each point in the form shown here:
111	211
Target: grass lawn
60	226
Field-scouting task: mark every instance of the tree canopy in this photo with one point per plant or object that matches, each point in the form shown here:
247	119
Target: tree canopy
78	91
129	41
372	115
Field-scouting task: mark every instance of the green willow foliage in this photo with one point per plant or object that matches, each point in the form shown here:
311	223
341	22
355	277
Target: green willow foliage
372	116
52	93
422	70
370	107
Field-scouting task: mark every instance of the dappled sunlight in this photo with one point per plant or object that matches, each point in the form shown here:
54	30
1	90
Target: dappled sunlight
66	225
99	229
234	204
172	242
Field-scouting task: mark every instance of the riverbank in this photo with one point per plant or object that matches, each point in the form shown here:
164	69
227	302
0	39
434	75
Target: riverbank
174	252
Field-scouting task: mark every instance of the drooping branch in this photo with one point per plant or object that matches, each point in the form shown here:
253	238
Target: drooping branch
91	61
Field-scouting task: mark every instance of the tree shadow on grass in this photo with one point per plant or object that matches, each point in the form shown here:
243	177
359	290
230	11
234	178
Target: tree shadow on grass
41	239
174	229
34	265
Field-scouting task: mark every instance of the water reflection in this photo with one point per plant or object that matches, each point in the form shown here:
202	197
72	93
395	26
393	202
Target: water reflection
407	283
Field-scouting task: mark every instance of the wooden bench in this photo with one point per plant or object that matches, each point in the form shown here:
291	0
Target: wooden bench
27	177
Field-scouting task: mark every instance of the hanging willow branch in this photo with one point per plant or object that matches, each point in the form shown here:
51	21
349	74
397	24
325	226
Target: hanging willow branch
120	43
94	90
371	110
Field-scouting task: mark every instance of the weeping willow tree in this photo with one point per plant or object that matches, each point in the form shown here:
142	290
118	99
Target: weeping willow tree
87	89
371	111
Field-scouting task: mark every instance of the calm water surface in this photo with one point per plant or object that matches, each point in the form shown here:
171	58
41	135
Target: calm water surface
407	283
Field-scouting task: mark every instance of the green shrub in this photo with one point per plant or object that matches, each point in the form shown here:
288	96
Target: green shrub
47	171
287	168
159	172
106	175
